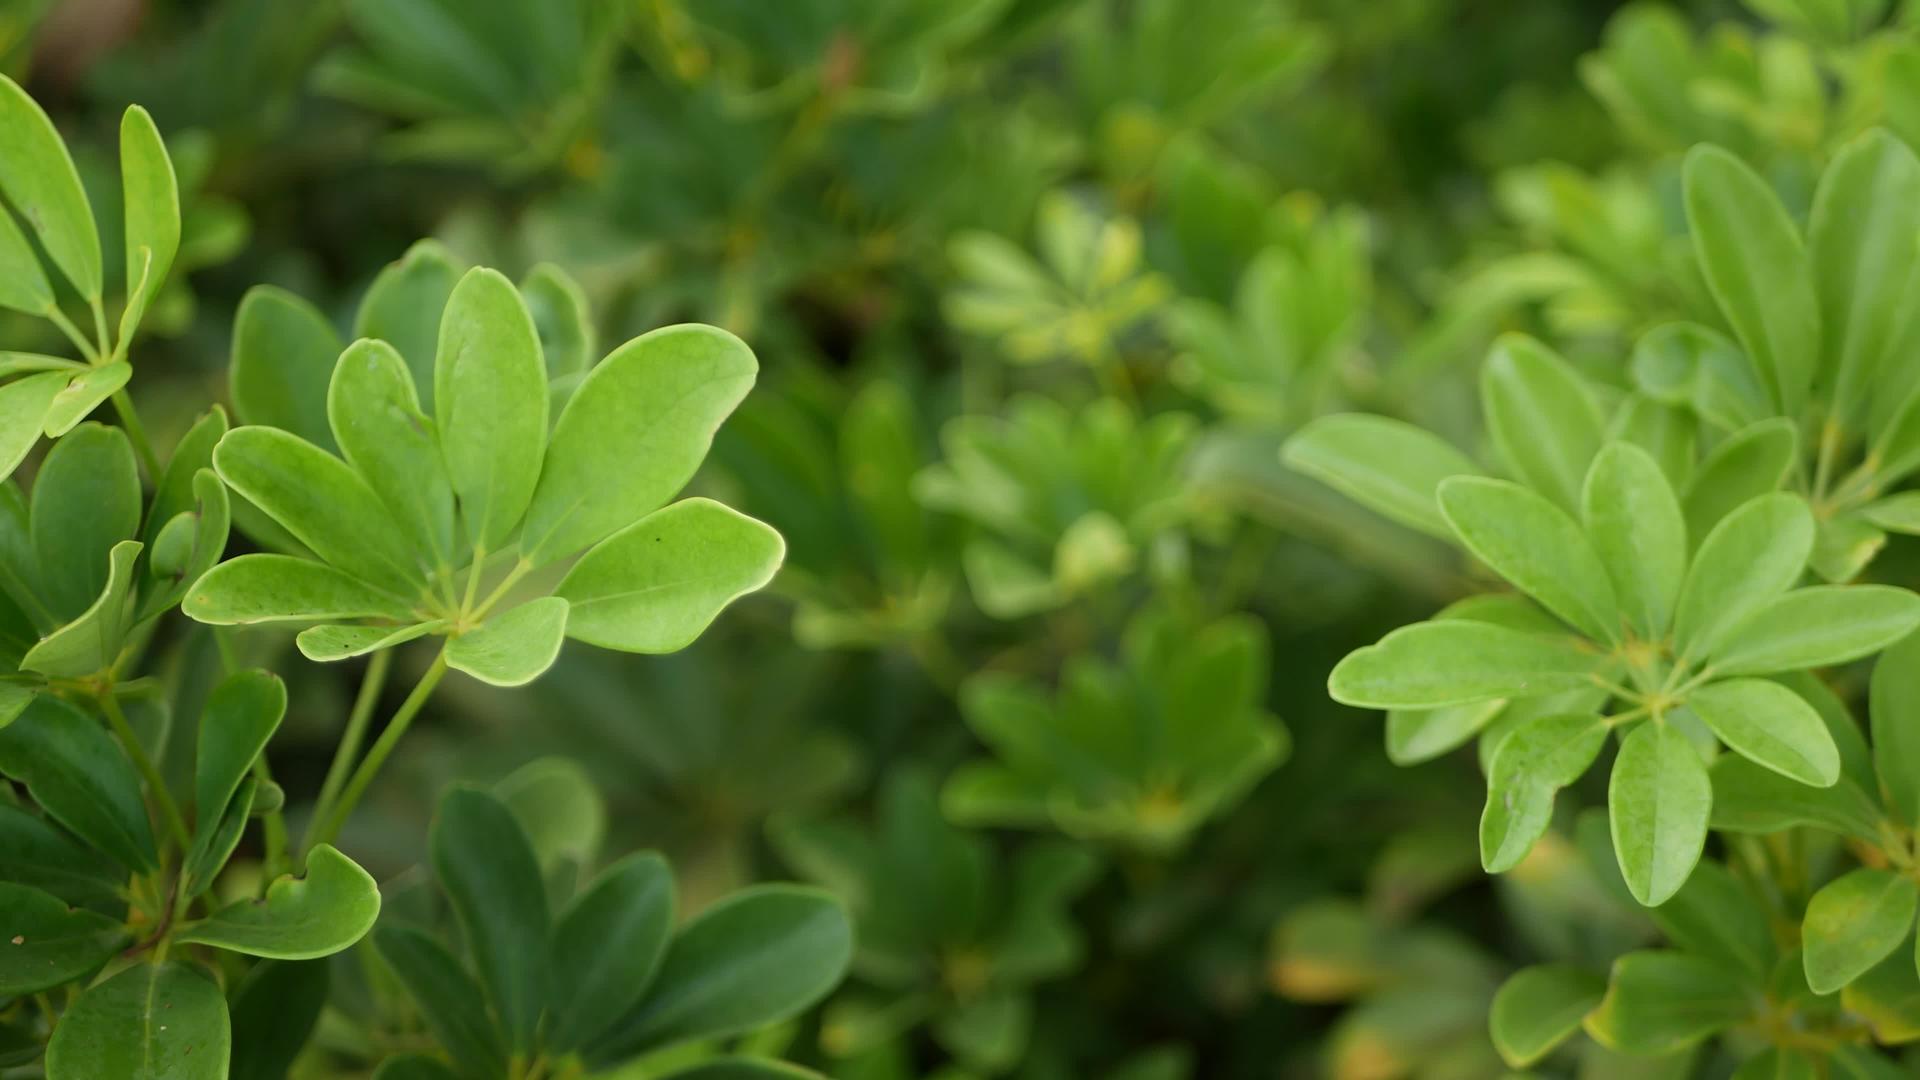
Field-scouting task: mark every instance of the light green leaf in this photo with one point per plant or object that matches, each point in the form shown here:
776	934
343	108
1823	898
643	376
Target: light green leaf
1386	465
560	314
1456	662
324	503
1748	464
23	280
514	647
633	434
1749	798
261	588
1843	546
41	183
283	356
23	413
1535	545
607	947
1860	235
91	643
1541	416
374	411
1756	553
195	542
83	393
1532	763
150	1022
1538	1007
1896	513
483	861
86	499
1757	268
151	198
1854	922
1417	735
1772	726
1659	800
49	943
299	918
328	643
404	305
1894	711
1637	529
1662	1002
656	585
1701	369
81	778
1817	627
490	405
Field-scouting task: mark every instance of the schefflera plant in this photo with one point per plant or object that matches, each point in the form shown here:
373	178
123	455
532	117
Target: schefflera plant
426	523
1638	613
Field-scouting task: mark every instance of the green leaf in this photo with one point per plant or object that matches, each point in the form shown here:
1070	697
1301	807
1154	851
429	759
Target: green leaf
560	314
757	957
1749	798
49	943
1419	735
607	947
1388	466
1755	265
1894	712
1686	364
1866	213
281	588
484	863
1756	553
374	411
1770	725
1750	463
1535	545
514	647
324	503
1817	627
1635	524
414	1067
299	918
742	1068
150	1022
329	643
564	816
83	393
656	585
1533	762
91	643
490	404
216	836
23	412
86	499
1896	513
283	357
633	434
275	1011
1541	416
150	197
40	182
1659	801
1538	1007
1715	915
1854	922
23	280
1663	1002
404	305
450	1001
1456	662
40	855
201	532
241	714
81	778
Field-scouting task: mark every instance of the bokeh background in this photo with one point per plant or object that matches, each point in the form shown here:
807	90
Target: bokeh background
1038	287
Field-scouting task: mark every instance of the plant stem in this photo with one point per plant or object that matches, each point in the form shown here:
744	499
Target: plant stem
131	742
59	318
329	829
130	420
100	324
348	751
276	829
520	570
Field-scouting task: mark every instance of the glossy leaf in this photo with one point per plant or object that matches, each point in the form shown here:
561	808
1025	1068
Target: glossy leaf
329	643
83	393
374	412
484	863
281	588
607	946
329	909
150	197
1770	725
149	1022
41	183
1752	556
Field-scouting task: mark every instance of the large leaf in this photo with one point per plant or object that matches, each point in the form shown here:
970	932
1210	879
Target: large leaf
275	1010
1387	465
1538	1007
261	588
374	411
1752	556
454	1008
1865	214
1659	802
86	499
1636	526
240	715
1770	725
49	943
1533	762
1817	627
490	404
1661	1002
1458	662
299	918
1854	922
1535	545
1748	464
283	356
41	183
655	586
607	947
150	1022
1541	416
487	868
150	197
91	642
633	434
514	647
81	778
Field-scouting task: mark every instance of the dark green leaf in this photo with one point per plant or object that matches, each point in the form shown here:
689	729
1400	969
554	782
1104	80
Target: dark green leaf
484	863
80	777
607	946
150	1022
49	943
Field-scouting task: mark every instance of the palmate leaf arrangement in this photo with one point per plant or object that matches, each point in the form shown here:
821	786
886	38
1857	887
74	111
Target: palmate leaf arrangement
1658	540
467	504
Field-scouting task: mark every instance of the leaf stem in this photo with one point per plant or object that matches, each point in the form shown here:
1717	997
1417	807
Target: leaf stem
344	755
169	810
59	318
136	431
100	324
329	829
520	570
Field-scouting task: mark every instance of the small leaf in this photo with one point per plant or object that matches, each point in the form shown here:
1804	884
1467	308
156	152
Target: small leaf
241	714
1538	1007
1756	553
1541	416
49	943
754	958
1535	545
299	918
1634	521
194	544
216	838
1896	513
375	415
1457	662
607	946
1388	466
283	356
1662	1002
281	588
41	183
451	1003
1659	801
91	642
1418	735
1817	627
23	412
151	198
404	305
1533	762
1854	922
1894	711
655	586
1772	726
490	404
484	863
86	499
514	647
275	1011
83	393
633	434
1750	463
149	1022
1757	269
81	778
559	309
329	643
1715	915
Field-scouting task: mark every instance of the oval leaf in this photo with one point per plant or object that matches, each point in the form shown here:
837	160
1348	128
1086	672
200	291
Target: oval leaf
514	647
40	182
1535	545
1659	800
299	918
1853	923
1458	662
608	946
490	404
49	943
1541	416
150	1022
1770	725
281	588
487	868
1538	1007
1817	627
1635	523
1386	465
1756	553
